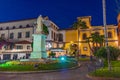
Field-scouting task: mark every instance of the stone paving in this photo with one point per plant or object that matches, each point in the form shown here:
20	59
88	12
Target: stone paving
76	74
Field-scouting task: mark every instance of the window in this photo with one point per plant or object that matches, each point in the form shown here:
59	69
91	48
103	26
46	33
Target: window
6	56
52	34
27	34
7	28
27	56
2	36
28	47
84	36
109	34
56	38
27	25
11	35
13	27
60	37
1	28
51	24
56	28
19	47
5	47
15	56
97	33
11	46
20	26
19	35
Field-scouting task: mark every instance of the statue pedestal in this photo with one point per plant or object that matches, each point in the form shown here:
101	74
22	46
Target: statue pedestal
39	50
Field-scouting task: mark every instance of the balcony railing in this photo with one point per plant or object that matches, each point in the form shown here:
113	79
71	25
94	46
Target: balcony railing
16	50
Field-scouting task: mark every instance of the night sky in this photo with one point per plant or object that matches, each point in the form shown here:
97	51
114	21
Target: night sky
62	12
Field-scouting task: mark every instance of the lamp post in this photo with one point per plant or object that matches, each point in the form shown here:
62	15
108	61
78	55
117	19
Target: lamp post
106	34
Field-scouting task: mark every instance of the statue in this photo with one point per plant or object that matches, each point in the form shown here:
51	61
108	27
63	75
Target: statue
39	41
39	28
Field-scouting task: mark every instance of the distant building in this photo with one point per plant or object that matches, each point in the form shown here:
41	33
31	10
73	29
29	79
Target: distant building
19	34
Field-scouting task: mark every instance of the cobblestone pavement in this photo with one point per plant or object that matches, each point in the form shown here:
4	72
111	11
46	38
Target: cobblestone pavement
76	74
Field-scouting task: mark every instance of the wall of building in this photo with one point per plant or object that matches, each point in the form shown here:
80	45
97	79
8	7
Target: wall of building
72	35
23	26
15	32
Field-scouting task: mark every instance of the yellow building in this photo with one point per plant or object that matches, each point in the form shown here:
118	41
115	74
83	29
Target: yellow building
71	35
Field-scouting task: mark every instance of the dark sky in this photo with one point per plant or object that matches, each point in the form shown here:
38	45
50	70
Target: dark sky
62	12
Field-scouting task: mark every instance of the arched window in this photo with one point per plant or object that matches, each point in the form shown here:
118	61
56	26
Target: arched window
27	25
97	33
84	36
13	27
7	28
1	28
20	26
109	34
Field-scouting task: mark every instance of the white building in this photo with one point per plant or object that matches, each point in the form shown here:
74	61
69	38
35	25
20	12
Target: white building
18	37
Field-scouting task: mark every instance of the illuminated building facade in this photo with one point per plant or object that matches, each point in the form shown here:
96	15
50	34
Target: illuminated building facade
71	35
18	37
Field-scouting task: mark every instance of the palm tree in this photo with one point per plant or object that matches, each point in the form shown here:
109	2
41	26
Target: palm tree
97	42
79	24
88	40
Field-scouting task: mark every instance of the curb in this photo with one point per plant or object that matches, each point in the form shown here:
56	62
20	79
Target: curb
32	72
101	78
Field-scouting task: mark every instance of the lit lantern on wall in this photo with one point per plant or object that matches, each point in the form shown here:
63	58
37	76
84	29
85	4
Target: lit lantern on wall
48	46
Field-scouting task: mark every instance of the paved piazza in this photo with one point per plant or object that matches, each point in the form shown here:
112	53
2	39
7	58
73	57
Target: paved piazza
76	74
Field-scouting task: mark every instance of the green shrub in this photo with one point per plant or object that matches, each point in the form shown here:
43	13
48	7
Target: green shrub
45	29
12	62
104	72
30	66
102	53
52	54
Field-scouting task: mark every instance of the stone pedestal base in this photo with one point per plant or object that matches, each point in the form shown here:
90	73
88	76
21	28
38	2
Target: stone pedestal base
39	50
35	55
38	55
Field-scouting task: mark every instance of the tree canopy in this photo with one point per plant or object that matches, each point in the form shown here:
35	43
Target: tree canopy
79	25
95	42
102	53
45	29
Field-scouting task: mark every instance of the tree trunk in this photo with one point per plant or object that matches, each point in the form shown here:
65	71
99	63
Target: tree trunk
90	46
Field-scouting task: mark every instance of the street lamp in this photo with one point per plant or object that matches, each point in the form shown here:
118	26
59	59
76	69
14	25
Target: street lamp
106	34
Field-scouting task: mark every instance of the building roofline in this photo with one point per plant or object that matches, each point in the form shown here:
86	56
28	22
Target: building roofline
17	20
82	17
67	29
